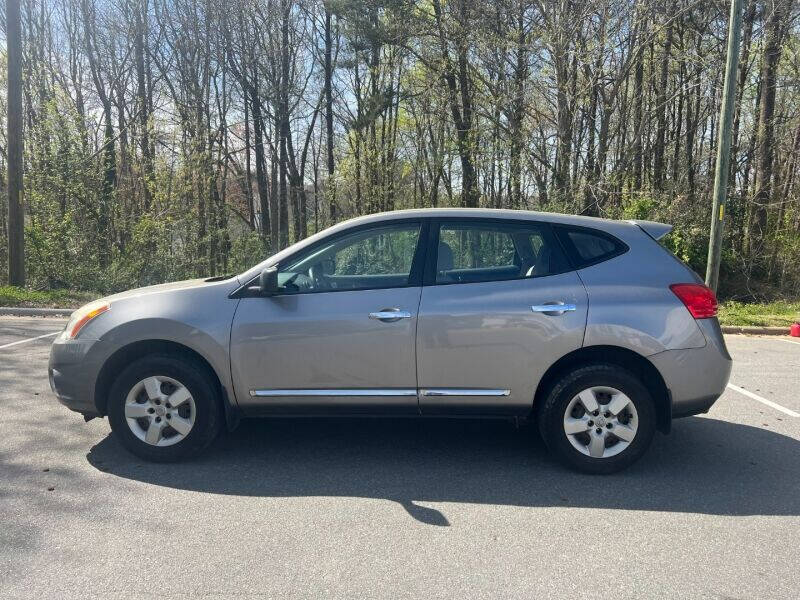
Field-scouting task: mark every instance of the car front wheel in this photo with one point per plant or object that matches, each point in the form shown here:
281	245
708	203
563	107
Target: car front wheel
598	419
164	408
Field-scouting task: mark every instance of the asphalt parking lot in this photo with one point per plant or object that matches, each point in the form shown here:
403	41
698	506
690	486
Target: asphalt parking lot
401	508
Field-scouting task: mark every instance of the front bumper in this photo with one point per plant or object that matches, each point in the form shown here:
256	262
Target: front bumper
696	377
73	369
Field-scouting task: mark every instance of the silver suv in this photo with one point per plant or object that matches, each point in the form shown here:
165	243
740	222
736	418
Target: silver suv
588	327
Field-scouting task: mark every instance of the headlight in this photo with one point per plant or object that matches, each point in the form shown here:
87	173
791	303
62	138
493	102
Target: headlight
82	316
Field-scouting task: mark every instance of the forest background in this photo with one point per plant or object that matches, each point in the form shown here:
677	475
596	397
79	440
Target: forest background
170	139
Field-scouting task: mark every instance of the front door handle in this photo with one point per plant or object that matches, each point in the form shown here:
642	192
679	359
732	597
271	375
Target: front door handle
390	315
553	309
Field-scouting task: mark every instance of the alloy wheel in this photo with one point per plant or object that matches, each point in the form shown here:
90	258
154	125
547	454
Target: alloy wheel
601	422
160	410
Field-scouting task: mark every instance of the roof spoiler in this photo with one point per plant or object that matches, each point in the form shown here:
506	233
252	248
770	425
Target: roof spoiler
653	229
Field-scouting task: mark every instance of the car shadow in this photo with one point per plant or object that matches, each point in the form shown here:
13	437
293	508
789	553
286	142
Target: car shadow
705	466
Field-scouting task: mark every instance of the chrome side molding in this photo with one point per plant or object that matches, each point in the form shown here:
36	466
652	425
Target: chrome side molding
378	392
335	392
462	392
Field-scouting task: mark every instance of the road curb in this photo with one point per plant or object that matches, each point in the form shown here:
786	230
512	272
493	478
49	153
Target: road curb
750	330
21	311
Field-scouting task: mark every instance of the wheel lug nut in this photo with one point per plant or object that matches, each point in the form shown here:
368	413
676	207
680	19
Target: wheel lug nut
158	401
169	416
609	426
158	420
598	429
591	423
608	414
595	413
168	405
151	410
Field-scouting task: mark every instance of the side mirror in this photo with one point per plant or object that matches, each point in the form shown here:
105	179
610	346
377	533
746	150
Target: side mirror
268	282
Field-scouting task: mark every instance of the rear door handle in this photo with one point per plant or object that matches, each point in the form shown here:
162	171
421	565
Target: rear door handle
390	315
553	309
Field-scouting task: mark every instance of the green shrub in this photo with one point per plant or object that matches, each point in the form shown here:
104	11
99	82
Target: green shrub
15	296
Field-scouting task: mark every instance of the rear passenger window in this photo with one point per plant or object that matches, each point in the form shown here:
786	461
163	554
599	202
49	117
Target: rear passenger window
589	246
471	252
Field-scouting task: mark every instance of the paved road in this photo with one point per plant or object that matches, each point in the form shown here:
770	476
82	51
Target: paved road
399	509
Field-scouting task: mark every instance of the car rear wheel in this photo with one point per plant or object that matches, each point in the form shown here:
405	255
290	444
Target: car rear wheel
598	419
164	408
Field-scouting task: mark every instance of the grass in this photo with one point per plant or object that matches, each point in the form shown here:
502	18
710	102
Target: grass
772	314
15	296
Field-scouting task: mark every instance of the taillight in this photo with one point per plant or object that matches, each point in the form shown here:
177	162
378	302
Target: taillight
699	299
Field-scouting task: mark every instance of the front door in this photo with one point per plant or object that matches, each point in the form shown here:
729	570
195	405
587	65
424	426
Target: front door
339	338
500	305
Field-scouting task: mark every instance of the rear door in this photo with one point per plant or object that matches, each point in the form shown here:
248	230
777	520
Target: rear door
499	306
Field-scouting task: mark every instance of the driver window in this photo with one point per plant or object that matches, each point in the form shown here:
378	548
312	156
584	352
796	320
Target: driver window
367	259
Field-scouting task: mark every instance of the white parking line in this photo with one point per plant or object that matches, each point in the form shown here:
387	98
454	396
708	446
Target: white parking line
788	341
38	337
769	403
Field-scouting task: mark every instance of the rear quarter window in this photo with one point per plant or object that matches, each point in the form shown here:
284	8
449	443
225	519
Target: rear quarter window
683	254
586	246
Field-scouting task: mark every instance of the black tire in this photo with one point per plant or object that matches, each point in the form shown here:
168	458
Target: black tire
208	406
552	411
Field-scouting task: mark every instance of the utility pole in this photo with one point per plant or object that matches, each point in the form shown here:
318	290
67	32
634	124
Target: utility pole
16	217
724	147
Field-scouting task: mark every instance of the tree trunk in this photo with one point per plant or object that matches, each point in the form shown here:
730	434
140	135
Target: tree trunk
564	123
661	108
109	160
16	217
766	125
261	169
518	111
329	141
142	94
638	110
248	189
283	125
460	98
736	205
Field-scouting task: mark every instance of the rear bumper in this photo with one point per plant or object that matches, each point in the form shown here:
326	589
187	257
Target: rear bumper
696	377
72	371
695	406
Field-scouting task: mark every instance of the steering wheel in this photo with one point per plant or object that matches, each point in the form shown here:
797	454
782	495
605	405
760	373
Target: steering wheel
317	276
